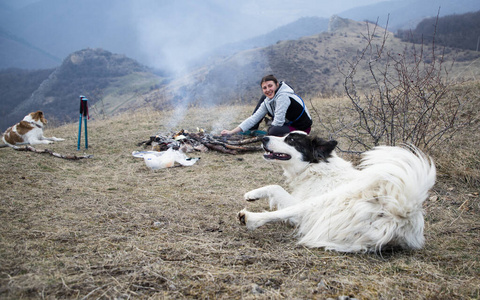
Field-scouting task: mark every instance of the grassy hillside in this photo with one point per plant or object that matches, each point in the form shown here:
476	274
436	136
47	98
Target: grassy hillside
313	65
108	227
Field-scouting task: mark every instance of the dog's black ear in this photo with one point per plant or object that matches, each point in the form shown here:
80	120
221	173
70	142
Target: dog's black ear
322	149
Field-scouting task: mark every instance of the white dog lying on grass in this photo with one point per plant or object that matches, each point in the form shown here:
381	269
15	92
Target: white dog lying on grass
342	208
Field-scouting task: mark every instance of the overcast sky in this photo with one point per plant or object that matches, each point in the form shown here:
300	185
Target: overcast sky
167	33
287	8
219	22
292	10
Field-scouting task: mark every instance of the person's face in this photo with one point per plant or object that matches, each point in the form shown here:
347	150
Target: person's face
269	88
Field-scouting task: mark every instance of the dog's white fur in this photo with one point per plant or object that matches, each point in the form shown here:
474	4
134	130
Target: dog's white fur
28	131
347	209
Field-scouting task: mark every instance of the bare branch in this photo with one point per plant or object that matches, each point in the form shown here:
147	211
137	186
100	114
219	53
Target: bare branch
409	101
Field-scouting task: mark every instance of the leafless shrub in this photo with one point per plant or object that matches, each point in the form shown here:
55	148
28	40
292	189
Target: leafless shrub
99	107
409	99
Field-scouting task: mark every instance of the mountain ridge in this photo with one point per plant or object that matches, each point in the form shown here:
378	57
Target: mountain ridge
113	82
88	72
58	28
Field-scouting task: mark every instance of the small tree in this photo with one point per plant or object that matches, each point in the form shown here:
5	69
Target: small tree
410	99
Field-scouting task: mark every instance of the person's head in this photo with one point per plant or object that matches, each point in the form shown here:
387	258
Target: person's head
269	86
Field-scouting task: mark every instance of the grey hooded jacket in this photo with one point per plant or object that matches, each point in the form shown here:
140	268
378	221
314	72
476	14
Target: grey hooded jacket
285	107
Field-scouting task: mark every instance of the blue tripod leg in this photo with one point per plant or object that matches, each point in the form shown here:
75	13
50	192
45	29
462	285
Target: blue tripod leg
86	135
80	131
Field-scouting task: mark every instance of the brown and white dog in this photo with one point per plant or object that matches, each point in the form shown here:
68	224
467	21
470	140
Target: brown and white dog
28	131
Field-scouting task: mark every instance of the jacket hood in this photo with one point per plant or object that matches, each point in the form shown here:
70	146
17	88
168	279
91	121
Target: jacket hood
284	89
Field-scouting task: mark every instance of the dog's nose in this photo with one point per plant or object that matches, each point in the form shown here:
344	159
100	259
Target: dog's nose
265	140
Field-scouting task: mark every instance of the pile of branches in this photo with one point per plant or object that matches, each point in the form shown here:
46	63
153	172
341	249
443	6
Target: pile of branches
200	141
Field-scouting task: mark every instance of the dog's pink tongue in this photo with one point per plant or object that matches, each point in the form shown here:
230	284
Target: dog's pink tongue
269	155
279	156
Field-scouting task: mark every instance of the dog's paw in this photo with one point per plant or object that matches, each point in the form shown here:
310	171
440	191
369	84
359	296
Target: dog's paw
242	217
252	195
249	219
59	139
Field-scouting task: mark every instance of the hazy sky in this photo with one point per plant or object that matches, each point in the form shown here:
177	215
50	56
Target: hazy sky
163	33
17	3
288	9
292	10
191	31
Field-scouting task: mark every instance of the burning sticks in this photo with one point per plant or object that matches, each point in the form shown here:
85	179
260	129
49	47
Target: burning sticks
201	141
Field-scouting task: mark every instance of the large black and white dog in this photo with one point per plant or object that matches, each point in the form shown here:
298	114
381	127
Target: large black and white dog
339	207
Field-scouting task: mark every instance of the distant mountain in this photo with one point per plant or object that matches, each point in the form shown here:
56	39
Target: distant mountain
111	82
159	34
406	14
16	86
302	27
42	34
19	53
312	65
459	31
34	40
61	27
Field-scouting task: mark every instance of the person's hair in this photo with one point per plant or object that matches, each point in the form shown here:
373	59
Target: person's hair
269	78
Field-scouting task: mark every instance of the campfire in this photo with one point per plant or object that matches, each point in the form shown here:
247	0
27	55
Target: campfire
201	141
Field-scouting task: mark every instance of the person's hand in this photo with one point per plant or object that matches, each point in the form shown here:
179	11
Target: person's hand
226	132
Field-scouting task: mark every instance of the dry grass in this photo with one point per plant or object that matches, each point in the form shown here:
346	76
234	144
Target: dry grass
108	227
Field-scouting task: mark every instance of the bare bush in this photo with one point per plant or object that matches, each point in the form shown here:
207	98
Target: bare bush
408	97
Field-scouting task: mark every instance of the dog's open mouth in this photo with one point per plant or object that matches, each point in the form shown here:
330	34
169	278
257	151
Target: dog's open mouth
275	155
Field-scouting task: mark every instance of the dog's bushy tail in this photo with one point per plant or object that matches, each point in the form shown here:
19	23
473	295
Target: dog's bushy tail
407	167
410	175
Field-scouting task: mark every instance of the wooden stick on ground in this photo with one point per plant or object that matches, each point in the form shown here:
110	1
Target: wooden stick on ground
220	148
67	156
245	141
236	147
